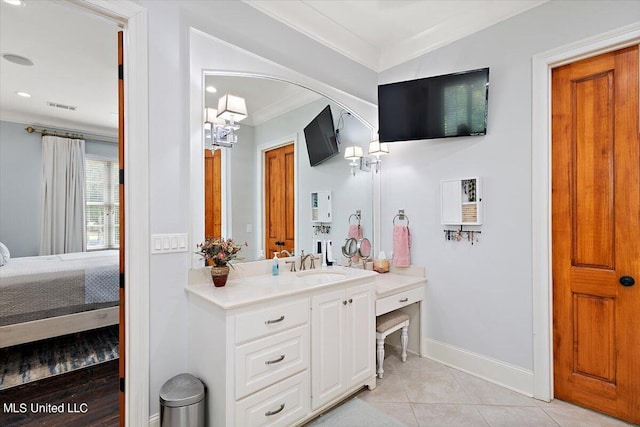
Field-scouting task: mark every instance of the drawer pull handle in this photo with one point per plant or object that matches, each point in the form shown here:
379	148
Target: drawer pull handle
271	362
279	319
404	300
277	411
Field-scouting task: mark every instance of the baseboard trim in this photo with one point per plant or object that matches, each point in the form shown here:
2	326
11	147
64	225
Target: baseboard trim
512	377
154	420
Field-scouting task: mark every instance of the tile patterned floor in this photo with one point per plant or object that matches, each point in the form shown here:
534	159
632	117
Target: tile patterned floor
421	392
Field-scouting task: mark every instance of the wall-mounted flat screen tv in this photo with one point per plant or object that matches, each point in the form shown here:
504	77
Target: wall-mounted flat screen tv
434	107
321	138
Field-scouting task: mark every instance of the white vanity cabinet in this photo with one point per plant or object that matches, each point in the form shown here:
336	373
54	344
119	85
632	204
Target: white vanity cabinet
253	360
280	350
342	343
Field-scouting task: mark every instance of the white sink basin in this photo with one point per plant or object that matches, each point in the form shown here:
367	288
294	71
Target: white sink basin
318	277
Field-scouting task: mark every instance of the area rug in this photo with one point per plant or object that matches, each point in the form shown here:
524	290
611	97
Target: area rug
355	413
25	363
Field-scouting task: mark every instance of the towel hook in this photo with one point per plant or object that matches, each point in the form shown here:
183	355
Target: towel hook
357	215
401	216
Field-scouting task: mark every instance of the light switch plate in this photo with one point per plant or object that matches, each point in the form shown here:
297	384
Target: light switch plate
168	243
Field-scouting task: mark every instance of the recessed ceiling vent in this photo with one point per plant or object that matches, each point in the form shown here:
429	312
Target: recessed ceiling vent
17	59
64	107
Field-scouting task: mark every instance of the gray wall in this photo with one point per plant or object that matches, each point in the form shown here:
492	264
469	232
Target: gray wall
241	25
242	175
20	179
479	298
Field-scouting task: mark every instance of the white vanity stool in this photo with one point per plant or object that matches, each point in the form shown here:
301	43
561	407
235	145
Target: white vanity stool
385	325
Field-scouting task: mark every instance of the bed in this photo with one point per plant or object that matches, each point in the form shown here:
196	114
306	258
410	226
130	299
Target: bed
46	296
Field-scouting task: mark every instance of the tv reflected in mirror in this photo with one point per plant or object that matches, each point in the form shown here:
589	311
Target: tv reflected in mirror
320	136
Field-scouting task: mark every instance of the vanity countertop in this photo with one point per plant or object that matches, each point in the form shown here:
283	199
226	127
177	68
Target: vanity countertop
250	283
251	289
391	283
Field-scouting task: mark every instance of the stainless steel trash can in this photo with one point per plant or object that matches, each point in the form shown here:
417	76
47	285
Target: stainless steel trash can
182	402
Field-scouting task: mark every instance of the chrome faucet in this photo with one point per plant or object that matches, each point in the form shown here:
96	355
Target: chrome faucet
303	258
313	261
284	251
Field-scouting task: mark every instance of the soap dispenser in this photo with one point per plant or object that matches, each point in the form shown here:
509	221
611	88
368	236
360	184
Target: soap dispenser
275	268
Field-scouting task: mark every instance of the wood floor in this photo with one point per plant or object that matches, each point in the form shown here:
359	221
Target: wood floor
87	397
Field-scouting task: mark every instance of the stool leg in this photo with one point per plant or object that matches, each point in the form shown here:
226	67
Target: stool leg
404	340
380	356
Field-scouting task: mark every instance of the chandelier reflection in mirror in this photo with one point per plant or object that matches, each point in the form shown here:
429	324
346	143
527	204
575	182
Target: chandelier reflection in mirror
220	124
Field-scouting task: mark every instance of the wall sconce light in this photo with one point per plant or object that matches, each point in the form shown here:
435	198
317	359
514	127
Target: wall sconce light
222	122
232	108
353	153
377	149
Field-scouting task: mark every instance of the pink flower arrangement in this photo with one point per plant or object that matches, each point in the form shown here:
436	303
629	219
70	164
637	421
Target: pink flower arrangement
219	251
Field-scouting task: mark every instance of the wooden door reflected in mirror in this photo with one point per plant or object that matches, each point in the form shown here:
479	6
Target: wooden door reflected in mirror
279	199
212	193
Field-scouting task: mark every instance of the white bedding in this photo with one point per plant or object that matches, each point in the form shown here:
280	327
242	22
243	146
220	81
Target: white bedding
51	285
55	263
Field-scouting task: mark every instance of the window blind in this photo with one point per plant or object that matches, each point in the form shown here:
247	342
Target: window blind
102	205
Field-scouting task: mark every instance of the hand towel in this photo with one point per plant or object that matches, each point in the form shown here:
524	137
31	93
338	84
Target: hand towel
355	231
401	245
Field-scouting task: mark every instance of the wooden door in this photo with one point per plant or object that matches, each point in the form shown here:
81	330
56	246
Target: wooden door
212	193
279	200
121	327
596	221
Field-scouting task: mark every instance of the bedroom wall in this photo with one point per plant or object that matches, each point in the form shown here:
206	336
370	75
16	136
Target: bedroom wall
239	24
348	192
479	298
20	168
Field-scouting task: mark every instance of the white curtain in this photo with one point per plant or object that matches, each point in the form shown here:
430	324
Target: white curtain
62	214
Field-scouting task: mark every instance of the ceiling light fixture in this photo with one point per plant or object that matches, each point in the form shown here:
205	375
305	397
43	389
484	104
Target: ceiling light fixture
23	94
15	2
17	59
211	89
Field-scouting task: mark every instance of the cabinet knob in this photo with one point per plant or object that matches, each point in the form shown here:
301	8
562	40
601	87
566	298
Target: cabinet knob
344	302
350	300
403	300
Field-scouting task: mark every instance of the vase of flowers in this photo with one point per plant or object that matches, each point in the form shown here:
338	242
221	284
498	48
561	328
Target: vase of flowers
218	252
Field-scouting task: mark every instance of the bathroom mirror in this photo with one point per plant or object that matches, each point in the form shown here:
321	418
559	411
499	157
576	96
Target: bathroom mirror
242	193
350	247
278	112
364	248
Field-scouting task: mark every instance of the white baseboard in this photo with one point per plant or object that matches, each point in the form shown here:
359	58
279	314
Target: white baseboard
512	377
154	420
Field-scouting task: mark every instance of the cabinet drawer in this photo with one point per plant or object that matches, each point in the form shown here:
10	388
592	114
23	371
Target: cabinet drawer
268	360
279	405
260	323
400	299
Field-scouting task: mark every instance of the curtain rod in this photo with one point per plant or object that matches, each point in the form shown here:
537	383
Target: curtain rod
44	132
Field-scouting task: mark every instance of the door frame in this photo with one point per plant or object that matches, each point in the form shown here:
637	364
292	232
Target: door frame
260	188
542	65
134	20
